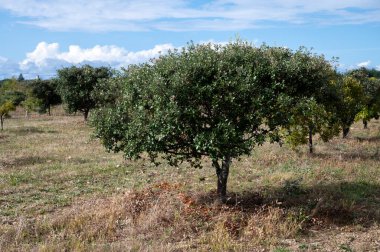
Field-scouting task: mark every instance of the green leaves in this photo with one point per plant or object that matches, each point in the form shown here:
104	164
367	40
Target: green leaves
46	91
11	95
76	84
310	117
207	100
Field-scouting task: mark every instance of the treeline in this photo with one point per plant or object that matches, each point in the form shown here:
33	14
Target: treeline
32	95
324	108
208	100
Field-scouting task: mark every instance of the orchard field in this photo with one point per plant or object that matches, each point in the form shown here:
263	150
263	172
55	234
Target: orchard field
61	191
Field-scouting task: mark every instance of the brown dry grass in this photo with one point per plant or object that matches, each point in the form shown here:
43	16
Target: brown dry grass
60	191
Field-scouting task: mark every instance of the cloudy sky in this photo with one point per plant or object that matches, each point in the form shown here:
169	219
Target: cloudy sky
40	36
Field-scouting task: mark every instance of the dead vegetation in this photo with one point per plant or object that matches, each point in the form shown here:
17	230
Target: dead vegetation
164	217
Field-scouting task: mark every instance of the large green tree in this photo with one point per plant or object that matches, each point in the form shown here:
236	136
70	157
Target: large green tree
204	100
76	84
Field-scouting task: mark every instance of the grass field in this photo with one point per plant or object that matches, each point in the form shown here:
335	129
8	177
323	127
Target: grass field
61	191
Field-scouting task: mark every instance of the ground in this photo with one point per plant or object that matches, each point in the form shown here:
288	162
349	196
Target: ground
60	190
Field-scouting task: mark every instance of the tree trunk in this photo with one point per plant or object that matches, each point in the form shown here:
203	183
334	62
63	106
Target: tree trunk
49	110
310	139
222	174
85	115
345	132
2	122
365	124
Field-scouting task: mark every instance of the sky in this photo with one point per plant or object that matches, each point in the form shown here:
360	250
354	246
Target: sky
37	37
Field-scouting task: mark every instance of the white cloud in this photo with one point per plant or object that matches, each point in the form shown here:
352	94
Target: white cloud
182	15
47	58
364	64
41	54
378	68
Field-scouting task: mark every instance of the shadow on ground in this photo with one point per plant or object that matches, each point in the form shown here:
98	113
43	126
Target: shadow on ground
23	131
24	161
346	156
343	203
368	139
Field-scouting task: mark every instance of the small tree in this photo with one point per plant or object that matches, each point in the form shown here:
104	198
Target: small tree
11	95
5	107
31	104
313	113
307	119
76	84
350	100
370	110
206	100
46	92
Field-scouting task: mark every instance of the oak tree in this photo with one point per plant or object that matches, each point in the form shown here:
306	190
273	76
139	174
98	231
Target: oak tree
202	101
75	85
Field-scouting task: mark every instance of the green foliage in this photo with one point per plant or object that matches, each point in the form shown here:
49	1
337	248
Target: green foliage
207	100
46	92
369	79
309	118
349	100
108	90
363	72
31	104
6	106
199	101
11	95
75	85
312	113
371	108
13	91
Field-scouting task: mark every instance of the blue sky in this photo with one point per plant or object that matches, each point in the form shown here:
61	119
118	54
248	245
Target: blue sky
40	36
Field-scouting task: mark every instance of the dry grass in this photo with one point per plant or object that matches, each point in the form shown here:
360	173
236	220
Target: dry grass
60	190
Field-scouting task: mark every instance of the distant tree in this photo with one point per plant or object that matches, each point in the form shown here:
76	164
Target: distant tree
370	109
31	103
20	78
8	99
205	100
363	72
46	91
6	106
371	86
374	73
349	101
313	112
12	90
308	118
75	85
